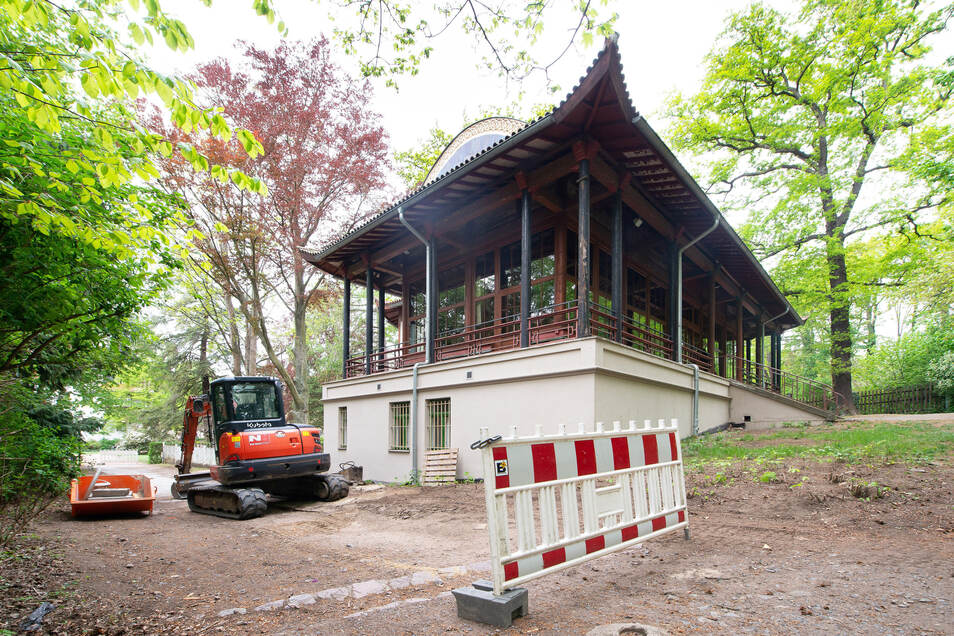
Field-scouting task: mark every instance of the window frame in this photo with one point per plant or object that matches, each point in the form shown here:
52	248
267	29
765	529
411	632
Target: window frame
401	409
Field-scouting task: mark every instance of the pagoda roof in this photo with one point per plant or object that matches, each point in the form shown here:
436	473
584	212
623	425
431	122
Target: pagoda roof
627	152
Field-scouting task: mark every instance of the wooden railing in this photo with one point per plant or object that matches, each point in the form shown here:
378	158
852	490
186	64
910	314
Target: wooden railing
556	322
559	322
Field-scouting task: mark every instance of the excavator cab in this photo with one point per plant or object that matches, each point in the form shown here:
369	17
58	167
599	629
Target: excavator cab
239	404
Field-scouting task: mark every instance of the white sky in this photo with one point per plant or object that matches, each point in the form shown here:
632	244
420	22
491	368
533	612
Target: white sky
661	43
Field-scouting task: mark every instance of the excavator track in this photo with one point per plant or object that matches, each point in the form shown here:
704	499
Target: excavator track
231	503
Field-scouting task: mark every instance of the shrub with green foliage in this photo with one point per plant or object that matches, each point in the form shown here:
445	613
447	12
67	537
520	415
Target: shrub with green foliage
941	373
155	452
37	462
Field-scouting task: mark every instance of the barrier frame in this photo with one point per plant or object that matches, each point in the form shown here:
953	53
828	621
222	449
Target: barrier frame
648	498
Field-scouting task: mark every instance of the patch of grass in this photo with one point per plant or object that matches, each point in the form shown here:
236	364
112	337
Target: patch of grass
852	443
768	477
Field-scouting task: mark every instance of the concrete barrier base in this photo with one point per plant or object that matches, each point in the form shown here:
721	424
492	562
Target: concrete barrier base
479	604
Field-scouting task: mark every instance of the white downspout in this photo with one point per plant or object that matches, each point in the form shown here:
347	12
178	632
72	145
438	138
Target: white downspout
427	340
677	337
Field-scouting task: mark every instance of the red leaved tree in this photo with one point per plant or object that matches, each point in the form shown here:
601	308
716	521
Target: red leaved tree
325	153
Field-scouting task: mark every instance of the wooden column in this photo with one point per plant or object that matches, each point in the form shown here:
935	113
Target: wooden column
617	275
368	318
470	276
773	355
738	340
432	292
760	353
524	264
559	263
748	359
381	319
672	320
723	341
405	326
583	252
346	328
712	320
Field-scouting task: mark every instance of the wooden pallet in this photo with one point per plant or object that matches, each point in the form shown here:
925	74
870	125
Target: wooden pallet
440	467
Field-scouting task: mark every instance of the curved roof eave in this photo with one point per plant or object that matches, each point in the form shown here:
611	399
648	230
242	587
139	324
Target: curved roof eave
430	188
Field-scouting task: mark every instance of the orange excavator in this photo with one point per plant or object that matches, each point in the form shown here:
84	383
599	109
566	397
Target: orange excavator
257	452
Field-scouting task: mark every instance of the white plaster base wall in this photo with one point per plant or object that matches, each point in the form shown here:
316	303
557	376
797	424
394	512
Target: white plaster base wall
764	410
567	382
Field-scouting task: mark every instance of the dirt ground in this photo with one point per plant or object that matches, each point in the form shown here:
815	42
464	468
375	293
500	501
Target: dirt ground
765	558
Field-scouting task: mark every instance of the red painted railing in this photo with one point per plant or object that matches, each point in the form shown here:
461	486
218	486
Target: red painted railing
559	322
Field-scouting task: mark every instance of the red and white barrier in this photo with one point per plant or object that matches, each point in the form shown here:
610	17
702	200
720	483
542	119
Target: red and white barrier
615	487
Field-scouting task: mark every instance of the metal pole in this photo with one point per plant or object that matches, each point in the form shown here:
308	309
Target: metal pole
525	268
346	346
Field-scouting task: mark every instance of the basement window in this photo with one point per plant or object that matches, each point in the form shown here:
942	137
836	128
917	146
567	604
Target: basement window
398	436
342	428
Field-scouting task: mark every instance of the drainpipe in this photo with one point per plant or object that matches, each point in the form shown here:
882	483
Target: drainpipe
427	339
427	281
695	398
677	337
414	421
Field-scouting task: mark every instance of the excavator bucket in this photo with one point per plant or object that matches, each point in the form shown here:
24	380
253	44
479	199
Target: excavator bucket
184	483
111	494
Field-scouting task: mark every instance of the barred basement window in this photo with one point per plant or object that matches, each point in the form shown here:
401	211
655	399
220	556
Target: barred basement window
438	424
400	414
342	428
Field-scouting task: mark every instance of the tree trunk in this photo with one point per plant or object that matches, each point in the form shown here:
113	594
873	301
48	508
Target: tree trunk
300	350
235	343
840	321
251	341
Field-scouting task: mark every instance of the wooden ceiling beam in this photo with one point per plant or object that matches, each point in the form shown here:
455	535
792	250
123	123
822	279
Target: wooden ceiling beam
536	181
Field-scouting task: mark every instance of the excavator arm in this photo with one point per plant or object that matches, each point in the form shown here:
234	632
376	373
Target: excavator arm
197	408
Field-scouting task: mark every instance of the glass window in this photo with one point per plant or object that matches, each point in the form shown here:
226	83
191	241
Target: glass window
451	286
218	403
510	312
255	400
542	259
635	288
438	424
342	428
484	275
510	265
450	321
400	413
418	300
484	310
606	273
541	297
510	306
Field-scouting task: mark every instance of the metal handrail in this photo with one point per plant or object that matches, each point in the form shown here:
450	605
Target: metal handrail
787	384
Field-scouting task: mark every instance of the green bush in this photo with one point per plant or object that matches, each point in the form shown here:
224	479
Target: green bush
36	465
155	452
941	372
